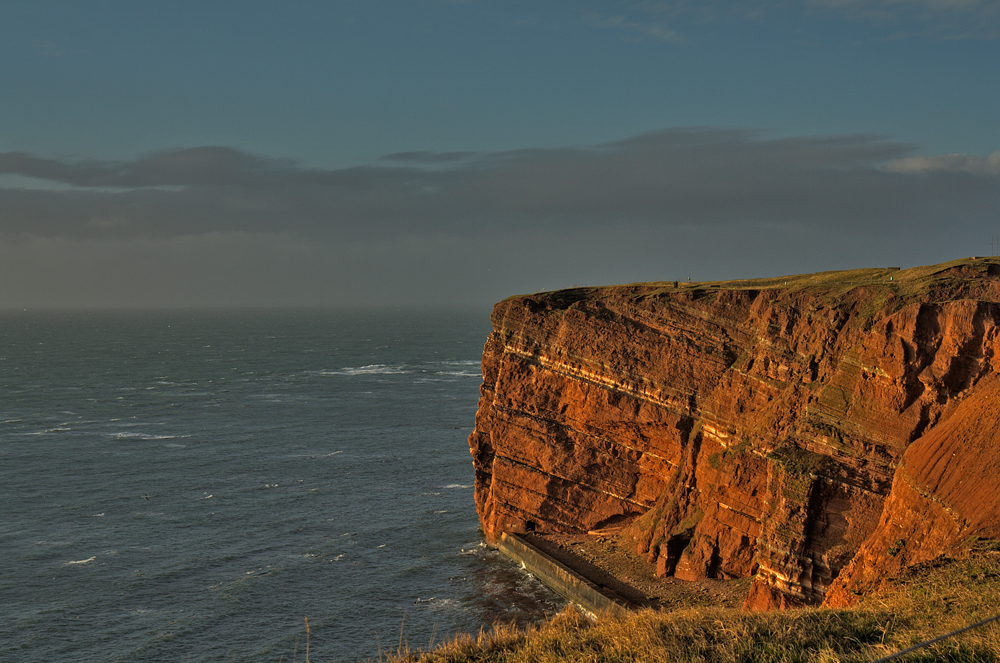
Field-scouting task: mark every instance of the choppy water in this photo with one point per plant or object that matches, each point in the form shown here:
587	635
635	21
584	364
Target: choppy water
190	485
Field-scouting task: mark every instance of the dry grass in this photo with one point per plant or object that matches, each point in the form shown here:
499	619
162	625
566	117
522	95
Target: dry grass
928	601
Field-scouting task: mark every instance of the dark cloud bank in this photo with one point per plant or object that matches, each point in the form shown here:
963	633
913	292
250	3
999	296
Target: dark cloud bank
216	226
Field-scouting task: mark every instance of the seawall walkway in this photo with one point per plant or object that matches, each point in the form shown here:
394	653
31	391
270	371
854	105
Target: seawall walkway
561	579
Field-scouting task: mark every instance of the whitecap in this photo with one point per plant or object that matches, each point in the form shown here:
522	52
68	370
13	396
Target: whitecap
463	374
462	362
47	431
473	549
144	436
370	369
82	561
457	485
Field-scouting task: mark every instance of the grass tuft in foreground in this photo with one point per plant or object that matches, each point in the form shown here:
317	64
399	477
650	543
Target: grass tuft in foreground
928	601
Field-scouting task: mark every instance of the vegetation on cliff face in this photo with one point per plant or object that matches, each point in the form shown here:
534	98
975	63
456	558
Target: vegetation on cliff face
927	601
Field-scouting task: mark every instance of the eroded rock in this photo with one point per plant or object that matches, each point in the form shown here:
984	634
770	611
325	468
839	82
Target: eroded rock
749	428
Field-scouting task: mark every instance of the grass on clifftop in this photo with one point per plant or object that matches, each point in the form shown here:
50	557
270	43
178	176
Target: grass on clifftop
904	284
927	601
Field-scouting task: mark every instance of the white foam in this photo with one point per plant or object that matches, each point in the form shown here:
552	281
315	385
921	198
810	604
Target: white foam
82	561
370	369
57	429
144	436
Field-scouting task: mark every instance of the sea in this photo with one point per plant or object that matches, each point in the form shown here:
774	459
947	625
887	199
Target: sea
239	485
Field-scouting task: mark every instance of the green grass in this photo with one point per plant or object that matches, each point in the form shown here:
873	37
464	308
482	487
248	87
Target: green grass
927	601
873	287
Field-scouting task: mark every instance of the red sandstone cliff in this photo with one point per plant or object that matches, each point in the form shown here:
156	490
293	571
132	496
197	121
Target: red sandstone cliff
777	429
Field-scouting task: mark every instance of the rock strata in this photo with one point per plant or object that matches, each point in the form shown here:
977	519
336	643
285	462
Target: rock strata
780	429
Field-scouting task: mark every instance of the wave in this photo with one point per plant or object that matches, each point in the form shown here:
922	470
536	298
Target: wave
82	561
370	369
48	431
475	548
452	368
144	436
457	485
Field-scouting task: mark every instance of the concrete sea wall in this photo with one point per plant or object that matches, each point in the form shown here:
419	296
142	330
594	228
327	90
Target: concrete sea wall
557	576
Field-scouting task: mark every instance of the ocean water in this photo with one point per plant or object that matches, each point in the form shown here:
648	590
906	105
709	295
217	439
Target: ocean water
192	485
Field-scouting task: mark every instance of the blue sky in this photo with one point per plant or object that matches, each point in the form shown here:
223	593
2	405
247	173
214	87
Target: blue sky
424	151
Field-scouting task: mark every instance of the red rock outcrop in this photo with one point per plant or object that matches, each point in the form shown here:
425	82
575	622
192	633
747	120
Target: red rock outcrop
946	492
749	428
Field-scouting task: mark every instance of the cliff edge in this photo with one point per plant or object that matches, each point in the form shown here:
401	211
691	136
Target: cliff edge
813	432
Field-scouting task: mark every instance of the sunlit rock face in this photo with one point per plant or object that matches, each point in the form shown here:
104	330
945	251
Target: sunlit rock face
740	429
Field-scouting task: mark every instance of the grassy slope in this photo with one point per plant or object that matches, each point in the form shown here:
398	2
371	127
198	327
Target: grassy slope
927	601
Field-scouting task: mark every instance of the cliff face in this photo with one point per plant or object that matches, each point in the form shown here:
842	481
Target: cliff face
746	428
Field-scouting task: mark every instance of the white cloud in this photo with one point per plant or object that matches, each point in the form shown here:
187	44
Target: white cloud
948	162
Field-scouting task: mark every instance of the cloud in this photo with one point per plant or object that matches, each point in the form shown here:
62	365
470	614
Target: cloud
641	28
666	178
199	166
215	224
675	20
949	162
944	19
427	157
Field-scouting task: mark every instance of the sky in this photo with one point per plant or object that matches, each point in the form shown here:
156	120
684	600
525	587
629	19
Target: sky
433	152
